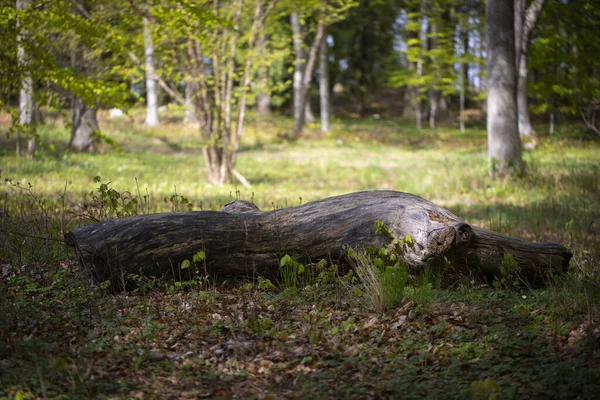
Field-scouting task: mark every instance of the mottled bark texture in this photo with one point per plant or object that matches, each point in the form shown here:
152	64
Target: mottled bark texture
242	241
84	122
504	144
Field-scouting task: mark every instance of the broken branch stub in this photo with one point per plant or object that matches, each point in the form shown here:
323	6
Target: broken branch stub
240	240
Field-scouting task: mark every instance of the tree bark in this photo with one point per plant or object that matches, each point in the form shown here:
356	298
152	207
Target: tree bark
151	89
298	64
303	72
527	22
263	98
189	116
324	85
27	107
84	123
242	241
504	144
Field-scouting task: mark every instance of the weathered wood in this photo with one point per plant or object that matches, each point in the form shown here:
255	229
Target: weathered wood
241	240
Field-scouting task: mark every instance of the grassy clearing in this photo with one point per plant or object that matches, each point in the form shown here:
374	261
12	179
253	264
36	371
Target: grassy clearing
314	334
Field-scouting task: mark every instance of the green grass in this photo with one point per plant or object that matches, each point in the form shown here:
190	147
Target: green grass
443	338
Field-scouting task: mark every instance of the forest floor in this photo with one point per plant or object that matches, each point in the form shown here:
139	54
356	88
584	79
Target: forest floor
446	336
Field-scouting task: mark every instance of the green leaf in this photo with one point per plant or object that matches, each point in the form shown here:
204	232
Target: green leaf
199	256
185	264
286	260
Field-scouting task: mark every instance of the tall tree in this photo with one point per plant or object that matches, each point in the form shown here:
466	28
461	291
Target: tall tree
151	86
504	144
524	24
263	97
214	43
303	71
26	99
324	85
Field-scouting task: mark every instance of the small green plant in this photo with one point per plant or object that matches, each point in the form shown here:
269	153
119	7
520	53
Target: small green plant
289	271
179	202
107	202
382	271
509	273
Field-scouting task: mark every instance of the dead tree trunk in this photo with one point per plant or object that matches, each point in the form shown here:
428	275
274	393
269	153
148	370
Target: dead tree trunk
243	241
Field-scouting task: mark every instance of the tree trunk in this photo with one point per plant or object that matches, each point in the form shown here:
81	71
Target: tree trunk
84	123
527	22
189	116
324	85
263	98
151	87
433	103
26	101
303	73
242	241
298	66
504	144
309	116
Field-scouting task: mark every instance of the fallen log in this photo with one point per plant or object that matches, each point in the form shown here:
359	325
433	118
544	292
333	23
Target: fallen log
241	240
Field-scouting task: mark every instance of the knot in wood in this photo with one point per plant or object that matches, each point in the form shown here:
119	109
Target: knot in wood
239	207
465	232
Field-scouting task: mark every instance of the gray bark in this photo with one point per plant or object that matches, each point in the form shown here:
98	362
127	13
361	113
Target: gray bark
189	116
504	144
433	103
151	87
298	65
309	116
303	73
84	123
263	98
26	101
528	20
242	241
324	86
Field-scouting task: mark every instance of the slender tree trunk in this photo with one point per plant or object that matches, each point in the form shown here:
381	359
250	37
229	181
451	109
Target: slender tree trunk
84	123
298	66
433	103
27	105
504	145
151	87
324	85
461	100
309	116
465	64
527	21
307	79
263	98
189	116
463	36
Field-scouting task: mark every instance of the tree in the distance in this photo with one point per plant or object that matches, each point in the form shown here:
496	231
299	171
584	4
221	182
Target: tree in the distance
504	143
525	21
151	84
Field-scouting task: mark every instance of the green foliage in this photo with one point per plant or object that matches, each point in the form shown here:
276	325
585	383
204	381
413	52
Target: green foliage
564	58
289	271
509	273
